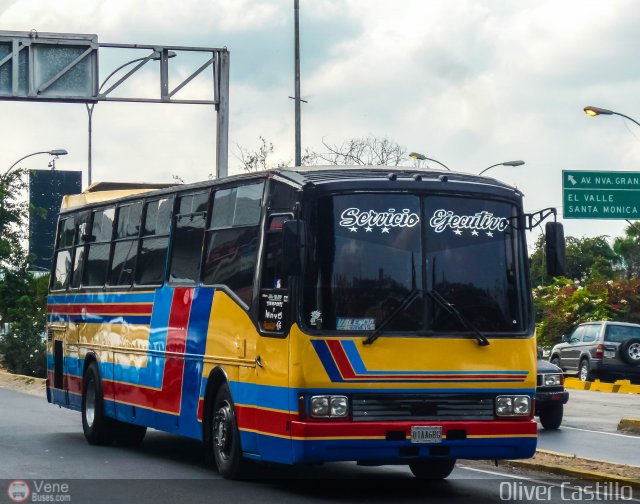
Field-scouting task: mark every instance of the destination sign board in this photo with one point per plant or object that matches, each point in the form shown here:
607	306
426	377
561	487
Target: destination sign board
601	195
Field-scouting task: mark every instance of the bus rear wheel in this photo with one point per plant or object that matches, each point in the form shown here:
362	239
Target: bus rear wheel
127	434
432	469
225	436
97	427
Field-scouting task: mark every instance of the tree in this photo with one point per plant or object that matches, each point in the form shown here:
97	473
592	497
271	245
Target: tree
590	256
369	150
628	248
22	297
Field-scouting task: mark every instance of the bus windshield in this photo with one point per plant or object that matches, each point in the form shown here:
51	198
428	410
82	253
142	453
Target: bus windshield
369	252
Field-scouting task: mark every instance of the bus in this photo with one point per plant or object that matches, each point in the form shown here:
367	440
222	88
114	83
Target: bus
381	315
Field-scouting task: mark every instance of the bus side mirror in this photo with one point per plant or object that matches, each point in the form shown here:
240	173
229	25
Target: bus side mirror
555	249
293	239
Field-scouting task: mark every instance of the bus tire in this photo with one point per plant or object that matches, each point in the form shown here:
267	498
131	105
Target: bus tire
432	469
97	427
225	436
127	434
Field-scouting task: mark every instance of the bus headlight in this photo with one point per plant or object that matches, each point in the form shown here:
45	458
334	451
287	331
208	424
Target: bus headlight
329	406
508	406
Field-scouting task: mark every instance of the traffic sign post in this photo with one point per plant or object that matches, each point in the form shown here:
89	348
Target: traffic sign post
601	195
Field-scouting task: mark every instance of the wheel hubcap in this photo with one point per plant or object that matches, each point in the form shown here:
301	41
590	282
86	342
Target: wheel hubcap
634	351
90	403
222	431
583	373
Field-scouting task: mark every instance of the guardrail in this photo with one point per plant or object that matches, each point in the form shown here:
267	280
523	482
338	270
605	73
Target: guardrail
619	386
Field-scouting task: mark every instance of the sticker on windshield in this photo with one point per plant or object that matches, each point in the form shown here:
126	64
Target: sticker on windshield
355	324
481	223
356	219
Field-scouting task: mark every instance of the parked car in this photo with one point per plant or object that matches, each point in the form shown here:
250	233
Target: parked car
551	395
598	349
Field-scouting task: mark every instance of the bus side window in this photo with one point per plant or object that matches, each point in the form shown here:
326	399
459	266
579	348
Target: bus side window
97	256
64	246
272	277
152	257
186	250
231	241
82	226
125	246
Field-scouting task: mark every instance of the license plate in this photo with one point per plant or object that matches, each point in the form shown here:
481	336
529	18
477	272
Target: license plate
431	434
609	354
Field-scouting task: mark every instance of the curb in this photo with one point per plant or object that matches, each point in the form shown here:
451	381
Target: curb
619	386
629	425
25	378
566	469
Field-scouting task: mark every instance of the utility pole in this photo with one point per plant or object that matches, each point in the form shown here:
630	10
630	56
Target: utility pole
296	9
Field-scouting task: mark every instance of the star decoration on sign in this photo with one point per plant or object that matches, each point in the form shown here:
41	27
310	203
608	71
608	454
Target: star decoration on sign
489	233
458	232
353	229
368	229
474	233
385	230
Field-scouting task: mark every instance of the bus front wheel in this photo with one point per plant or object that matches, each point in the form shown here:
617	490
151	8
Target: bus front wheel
225	436
97	427
432	469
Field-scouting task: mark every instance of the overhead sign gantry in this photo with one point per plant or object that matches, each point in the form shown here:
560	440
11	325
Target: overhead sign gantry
61	67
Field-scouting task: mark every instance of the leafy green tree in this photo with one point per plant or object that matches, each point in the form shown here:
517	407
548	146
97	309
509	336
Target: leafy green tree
628	248
22	296
588	255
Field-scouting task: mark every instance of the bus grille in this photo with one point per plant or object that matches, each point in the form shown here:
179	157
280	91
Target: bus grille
425	407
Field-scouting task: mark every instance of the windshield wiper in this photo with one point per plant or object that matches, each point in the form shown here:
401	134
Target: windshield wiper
408	299
449	308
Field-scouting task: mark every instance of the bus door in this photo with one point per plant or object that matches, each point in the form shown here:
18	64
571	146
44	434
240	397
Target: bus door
272	347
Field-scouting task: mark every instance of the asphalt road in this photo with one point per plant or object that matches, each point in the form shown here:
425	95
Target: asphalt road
589	428
42	442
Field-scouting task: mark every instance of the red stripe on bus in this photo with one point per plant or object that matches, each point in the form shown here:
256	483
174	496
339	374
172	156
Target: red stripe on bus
380	429
122	309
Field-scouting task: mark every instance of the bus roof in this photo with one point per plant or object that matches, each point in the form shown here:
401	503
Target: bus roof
300	176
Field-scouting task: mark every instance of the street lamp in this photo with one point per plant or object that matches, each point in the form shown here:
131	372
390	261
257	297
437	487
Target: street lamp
506	163
155	57
596	111
422	157
55	152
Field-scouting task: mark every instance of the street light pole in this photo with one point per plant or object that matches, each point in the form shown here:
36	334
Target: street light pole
298	133
592	111
54	152
596	111
422	157
506	163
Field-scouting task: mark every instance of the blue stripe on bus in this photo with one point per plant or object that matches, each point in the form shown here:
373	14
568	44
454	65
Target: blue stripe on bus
327	360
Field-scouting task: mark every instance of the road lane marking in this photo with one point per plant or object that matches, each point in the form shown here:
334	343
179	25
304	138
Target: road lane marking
602	432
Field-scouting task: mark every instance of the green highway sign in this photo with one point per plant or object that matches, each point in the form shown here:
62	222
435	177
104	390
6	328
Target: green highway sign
601	195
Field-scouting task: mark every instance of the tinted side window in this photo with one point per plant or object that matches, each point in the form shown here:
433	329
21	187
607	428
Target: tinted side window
129	220
231	243
61	275
230	259
152	258
187	239
272	277
62	271
97	256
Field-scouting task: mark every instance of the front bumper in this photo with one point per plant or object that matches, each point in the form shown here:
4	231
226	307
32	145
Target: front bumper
390	442
550	397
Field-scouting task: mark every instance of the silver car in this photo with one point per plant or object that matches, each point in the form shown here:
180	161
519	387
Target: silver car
598	349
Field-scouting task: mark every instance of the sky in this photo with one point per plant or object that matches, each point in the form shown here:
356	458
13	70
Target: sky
470	83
